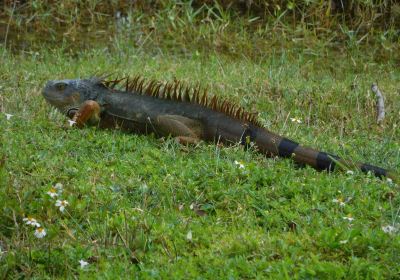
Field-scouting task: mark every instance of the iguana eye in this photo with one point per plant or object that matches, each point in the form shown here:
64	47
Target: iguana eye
71	112
61	86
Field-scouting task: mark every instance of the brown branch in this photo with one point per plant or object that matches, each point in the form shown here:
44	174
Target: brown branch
380	103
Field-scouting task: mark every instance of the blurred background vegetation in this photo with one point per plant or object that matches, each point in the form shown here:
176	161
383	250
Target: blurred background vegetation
238	28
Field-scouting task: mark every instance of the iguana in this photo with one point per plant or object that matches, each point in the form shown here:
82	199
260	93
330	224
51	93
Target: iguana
188	114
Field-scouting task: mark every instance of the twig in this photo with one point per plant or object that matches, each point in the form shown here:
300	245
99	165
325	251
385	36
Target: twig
380	103
8	25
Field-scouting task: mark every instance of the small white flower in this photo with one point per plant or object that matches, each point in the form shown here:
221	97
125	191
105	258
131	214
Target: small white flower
83	263
295	120
268	269
389	180
239	164
348	218
58	187
389	229
189	236
71	122
350	172
340	201
40	232
144	188
52	192
138	209
31	221
343	241
9	116
61	204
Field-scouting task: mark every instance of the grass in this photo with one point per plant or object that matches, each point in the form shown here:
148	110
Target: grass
149	208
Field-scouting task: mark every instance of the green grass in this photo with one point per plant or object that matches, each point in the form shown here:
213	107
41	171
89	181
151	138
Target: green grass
134	199
236	28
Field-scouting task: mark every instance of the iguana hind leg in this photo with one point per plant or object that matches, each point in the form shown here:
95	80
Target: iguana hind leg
89	112
185	130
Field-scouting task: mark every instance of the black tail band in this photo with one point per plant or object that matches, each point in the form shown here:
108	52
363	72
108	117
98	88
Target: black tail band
286	147
325	161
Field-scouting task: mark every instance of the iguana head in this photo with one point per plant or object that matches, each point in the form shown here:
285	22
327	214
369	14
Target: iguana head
68	95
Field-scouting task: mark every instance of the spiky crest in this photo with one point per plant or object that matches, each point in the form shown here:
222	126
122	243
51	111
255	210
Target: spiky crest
180	92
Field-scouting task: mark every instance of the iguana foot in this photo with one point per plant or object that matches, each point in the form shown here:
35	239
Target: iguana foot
89	112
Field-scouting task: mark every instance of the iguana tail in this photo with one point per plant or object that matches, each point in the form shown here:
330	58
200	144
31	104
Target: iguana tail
275	145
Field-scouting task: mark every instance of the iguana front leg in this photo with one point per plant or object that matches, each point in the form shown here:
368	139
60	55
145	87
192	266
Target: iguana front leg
185	130
89	112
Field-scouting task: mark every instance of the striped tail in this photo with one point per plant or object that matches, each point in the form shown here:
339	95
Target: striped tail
275	145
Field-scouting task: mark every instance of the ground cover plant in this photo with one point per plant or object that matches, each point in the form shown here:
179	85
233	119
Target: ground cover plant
110	203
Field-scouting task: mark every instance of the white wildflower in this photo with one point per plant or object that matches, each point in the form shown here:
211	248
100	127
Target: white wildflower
58	187
138	209
144	188
61	204
83	263
268	269
9	116
340	201
52	192
239	164
31	221
389	229
189	236
348	218
296	120
343	241
40	232
350	172
71	122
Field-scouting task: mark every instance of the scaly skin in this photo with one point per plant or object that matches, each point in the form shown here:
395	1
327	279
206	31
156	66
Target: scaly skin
168	110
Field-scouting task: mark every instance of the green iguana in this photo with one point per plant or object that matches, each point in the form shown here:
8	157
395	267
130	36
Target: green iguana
185	113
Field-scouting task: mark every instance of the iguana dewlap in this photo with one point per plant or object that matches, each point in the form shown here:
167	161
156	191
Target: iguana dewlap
181	112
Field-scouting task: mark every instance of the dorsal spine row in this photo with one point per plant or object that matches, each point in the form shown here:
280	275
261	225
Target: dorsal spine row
180	92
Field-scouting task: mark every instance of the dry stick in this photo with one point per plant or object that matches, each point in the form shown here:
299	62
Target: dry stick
380	105
8	26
